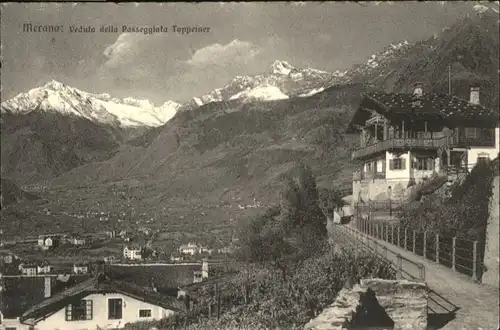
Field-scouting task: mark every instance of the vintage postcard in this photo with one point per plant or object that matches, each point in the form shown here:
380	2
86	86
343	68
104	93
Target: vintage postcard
249	165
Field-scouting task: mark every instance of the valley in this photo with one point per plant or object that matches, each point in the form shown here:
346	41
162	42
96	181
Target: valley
262	166
196	173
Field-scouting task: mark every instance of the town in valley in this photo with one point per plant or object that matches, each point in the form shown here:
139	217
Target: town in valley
293	165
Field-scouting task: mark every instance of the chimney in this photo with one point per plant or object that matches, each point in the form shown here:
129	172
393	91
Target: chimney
418	89
47	287
474	95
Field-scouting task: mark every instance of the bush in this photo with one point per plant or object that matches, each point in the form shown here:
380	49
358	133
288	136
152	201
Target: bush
275	303
464	214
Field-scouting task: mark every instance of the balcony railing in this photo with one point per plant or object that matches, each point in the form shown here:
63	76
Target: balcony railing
403	143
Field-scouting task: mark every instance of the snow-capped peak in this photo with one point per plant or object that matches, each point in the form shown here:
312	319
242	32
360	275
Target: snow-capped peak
261	93
54	85
281	67
55	96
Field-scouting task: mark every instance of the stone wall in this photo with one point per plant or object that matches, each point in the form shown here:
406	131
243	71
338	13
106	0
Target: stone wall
377	189
491	253
405	302
376	302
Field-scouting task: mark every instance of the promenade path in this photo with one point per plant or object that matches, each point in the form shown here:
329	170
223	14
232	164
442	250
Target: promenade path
455	301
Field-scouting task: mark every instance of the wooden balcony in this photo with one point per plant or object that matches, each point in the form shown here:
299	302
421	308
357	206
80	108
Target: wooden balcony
405	144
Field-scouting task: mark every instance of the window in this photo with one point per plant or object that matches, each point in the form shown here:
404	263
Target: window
397	164
79	311
486	134
114	309
482	158
423	163
144	313
470	132
369	167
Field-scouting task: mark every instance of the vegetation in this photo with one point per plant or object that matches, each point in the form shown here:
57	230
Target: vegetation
291	232
464	213
287	275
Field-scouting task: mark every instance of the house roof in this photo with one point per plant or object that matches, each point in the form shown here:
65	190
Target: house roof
100	284
21	293
189	246
446	109
163	276
133	246
25	266
80	265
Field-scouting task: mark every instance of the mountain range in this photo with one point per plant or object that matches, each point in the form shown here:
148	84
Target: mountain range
56	97
238	141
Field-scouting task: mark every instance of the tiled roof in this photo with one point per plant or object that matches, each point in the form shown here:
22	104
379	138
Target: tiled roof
162	276
20	293
133	247
101	284
445	105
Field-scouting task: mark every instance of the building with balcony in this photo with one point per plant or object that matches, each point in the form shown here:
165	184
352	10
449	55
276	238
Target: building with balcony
408	137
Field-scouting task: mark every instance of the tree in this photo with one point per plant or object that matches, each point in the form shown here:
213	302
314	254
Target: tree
331	197
289	233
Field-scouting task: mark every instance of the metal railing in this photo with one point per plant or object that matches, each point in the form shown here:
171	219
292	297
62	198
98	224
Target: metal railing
461	255
404	267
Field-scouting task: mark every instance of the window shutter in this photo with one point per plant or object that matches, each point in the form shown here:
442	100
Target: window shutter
68	313
430	164
88	307
403	163
391	164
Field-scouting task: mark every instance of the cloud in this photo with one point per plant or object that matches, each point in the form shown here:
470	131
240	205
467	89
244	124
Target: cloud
124	49
235	51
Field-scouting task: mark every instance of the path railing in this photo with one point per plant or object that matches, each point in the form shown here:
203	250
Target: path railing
461	255
405	268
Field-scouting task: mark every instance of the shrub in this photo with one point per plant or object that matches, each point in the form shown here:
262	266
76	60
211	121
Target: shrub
463	214
275	303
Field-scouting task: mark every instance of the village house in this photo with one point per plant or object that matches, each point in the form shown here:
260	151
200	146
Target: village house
226	250
44	268
8	257
189	248
77	240
132	252
80	268
206	250
406	138
87	303
47	242
28	269
175	257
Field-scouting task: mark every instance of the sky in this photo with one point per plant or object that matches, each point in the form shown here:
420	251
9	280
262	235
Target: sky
243	39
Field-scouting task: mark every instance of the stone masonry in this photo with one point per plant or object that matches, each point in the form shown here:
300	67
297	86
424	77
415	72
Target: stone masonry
404	302
491	254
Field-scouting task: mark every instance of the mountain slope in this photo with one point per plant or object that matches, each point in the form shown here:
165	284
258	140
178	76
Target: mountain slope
39	146
220	156
10	193
227	143
54	128
222	144
468	51
98	108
